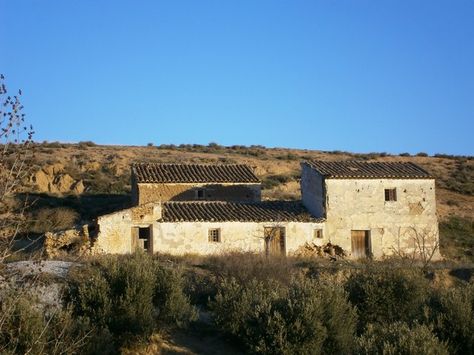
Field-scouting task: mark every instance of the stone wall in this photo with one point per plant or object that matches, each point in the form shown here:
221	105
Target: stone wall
312	191
115	234
192	237
395	226
153	192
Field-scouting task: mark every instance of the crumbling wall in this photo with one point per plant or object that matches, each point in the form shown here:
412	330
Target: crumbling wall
114	233
72	241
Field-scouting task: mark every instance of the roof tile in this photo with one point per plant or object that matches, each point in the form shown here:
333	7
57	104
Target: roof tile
193	173
351	169
220	211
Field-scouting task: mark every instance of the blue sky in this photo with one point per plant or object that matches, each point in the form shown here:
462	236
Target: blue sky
394	76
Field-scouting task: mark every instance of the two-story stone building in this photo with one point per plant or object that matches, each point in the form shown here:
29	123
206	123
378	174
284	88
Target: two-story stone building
373	208
367	209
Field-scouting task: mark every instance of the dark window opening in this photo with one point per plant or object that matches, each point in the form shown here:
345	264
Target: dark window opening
390	194
144	233
214	235
318	233
200	194
142	238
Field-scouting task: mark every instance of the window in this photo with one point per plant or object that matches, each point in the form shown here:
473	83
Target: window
390	194
214	235
318	233
200	194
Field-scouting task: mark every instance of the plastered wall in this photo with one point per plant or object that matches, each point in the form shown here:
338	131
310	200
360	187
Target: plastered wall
115	229
359	204
192	237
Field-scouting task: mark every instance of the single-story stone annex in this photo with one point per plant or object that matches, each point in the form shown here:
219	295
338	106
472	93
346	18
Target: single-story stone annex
365	209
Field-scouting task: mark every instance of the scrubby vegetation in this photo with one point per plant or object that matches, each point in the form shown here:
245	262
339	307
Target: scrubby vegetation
260	305
457	238
128	297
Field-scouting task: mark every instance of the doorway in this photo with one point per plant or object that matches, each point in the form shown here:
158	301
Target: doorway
275	241
360	240
142	239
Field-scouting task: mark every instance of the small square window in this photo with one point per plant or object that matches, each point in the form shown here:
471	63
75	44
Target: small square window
200	194
318	233
214	235
390	194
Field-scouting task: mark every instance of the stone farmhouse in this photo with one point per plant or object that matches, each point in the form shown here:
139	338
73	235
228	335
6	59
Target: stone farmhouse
368	209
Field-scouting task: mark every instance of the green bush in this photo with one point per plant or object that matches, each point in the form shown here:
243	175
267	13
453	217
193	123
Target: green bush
456	236
399	338
26	326
129	295
387	295
172	304
453	316
308	317
272	181
247	266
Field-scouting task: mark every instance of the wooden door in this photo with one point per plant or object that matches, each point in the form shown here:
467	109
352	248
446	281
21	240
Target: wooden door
360	243
275	241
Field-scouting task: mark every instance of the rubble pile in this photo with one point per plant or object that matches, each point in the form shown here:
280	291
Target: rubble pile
72	241
321	251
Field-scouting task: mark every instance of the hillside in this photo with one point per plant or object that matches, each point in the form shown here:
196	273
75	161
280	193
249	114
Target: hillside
92	179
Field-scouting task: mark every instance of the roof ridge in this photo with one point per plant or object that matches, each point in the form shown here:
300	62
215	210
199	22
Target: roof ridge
191	164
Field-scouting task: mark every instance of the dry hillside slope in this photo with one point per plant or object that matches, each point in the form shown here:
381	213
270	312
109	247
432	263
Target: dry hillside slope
63	169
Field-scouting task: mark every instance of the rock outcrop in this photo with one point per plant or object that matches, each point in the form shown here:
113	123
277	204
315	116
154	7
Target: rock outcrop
53	179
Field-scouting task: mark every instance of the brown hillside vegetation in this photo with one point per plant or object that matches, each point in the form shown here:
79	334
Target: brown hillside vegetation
89	168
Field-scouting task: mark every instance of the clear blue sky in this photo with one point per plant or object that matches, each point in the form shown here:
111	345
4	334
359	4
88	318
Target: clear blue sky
355	75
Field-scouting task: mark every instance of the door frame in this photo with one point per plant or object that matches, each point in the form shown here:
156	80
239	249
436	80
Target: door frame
135	237
367	243
269	238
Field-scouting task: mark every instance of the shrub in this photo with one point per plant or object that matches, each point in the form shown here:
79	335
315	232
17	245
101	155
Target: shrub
83	144
26	326
405	154
54	219
129	295
171	303
457	238
387	295
247	266
422	154
274	180
305	318
399	338
214	145
454	318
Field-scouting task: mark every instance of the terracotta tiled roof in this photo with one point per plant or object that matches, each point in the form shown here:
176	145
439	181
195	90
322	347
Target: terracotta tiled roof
219	211
190	173
369	170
